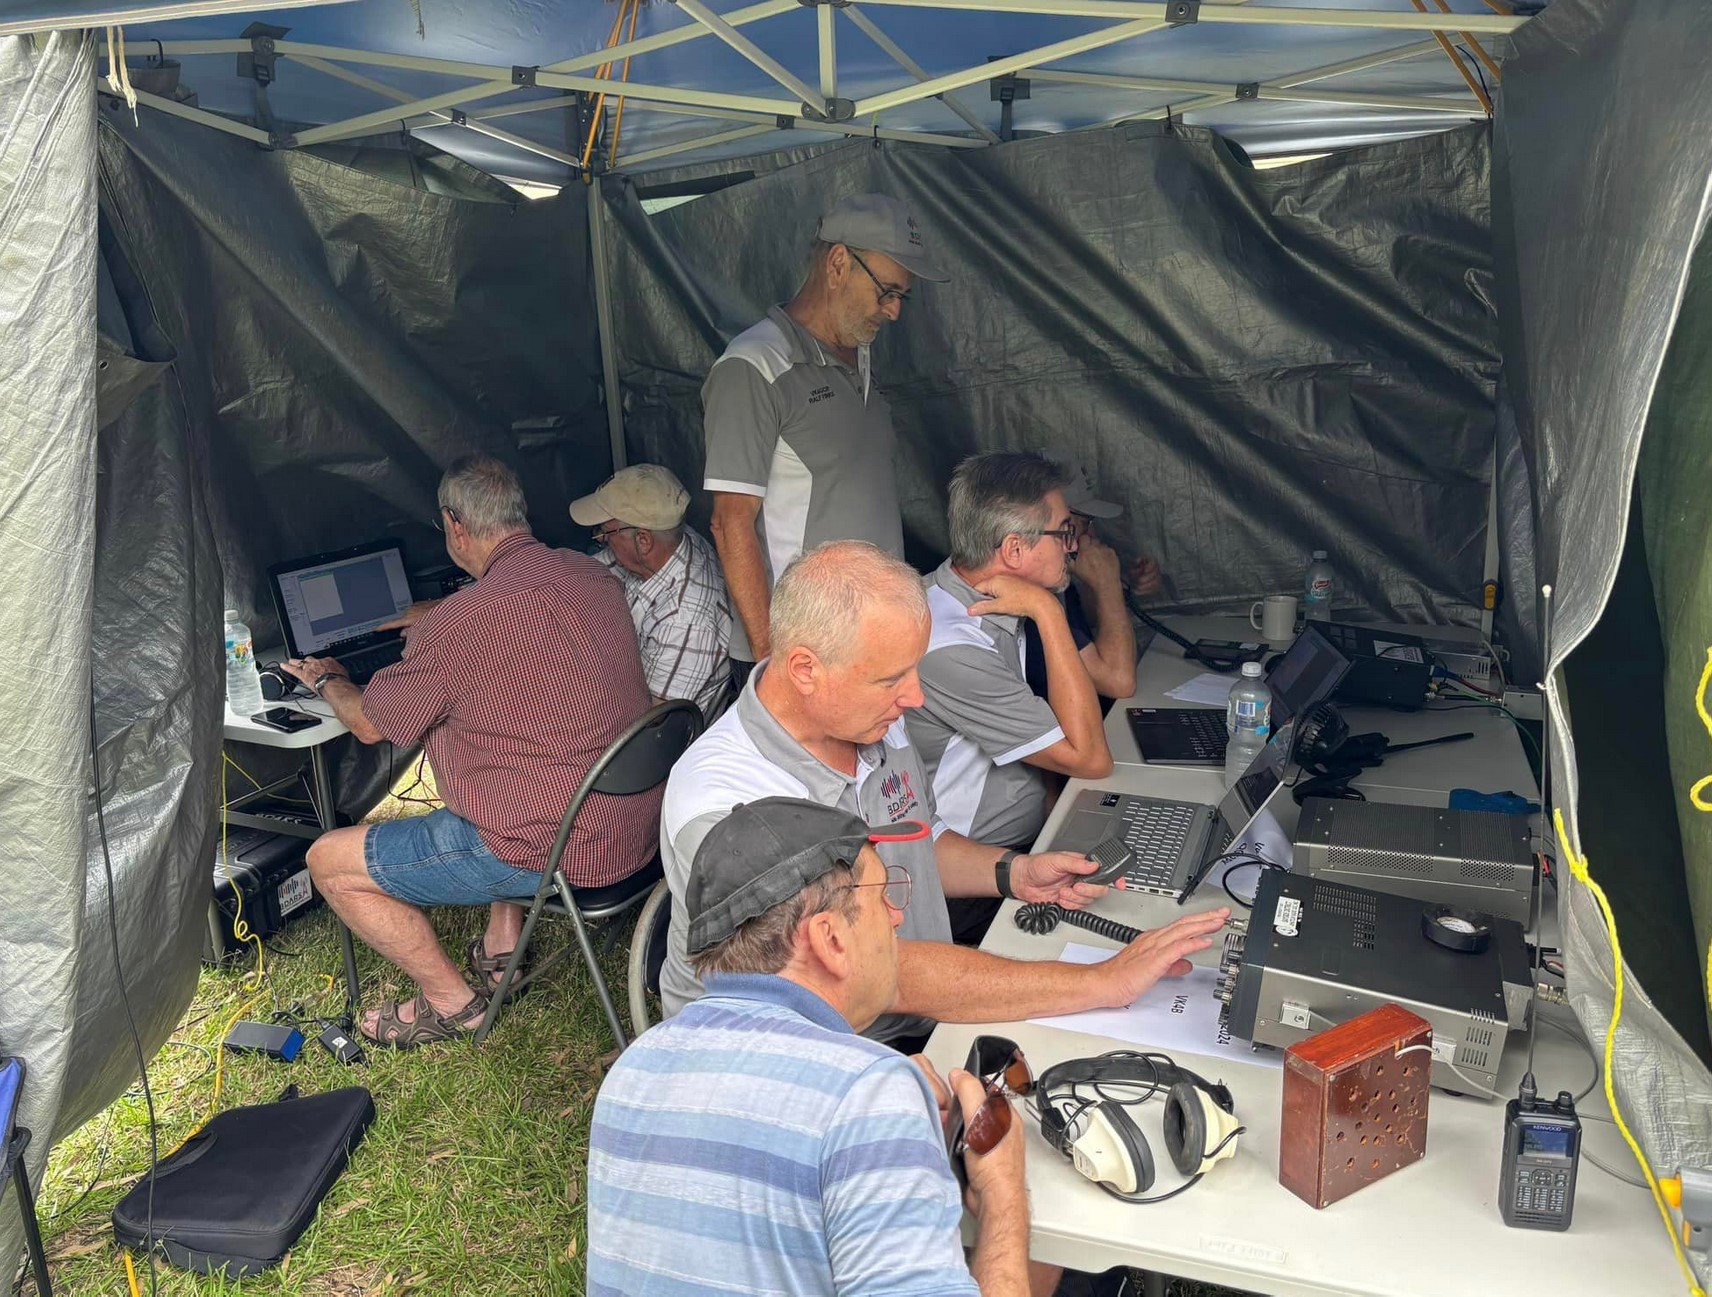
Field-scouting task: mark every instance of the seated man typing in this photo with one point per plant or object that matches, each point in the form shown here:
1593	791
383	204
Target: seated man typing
671	581
755	1143
821	719
488	686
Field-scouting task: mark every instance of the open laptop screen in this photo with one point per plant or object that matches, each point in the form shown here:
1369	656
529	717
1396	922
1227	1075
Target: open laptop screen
330	599
1254	789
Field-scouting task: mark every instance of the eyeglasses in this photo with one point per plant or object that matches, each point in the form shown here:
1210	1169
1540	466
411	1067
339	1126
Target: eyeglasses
887	292
450	513
1000	1066
1066	536
605	537
898	885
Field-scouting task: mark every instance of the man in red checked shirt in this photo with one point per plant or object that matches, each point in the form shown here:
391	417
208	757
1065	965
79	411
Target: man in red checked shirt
514	686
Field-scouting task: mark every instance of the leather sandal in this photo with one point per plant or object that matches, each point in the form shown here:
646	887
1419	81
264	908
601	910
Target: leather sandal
427	1026
487	969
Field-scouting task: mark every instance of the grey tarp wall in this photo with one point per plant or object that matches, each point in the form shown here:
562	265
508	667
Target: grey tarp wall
1604	161
289	351
108	561
345	329
1259	363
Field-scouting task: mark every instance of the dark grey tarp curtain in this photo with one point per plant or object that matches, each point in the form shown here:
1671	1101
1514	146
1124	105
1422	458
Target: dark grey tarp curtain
1258	363
1601	183
346	328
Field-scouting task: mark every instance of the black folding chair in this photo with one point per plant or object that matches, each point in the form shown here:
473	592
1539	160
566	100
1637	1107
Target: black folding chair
648	953
638	759
14	1140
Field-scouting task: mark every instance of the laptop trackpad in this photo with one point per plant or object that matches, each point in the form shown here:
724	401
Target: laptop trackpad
1084	830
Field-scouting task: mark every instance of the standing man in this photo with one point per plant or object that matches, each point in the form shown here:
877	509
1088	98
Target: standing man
671	581
988	741
800	444
756	1143
497	684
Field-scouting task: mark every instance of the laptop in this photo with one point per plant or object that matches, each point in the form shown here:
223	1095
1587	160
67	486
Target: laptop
329	605
1304	675
1174	843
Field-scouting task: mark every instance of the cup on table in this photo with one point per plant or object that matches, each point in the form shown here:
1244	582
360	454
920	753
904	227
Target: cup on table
1274	617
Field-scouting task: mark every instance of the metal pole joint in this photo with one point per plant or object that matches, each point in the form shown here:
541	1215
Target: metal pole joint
522	76
1248	90
836	110
258	64
830	4
1182	13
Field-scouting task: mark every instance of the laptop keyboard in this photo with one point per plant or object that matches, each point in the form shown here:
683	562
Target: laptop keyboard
363	663
1156	832
1205	732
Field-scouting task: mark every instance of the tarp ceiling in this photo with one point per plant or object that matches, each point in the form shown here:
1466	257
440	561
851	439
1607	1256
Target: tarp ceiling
1210	58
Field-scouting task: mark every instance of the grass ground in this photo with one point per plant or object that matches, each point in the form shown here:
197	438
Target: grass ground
470	1181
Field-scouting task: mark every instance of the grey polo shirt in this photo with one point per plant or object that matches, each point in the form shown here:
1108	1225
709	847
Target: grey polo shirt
980	720
787	420
746	755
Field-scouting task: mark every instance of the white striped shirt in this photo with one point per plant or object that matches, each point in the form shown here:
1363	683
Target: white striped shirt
683	623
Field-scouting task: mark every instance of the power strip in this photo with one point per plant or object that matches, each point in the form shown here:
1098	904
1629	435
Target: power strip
1525	704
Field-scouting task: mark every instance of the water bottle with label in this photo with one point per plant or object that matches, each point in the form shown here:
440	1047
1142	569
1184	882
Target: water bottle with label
243	686
1248	719
1317	588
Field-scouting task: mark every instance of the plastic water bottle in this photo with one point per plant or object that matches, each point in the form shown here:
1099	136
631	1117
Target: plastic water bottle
1317	588
1248	719
243	686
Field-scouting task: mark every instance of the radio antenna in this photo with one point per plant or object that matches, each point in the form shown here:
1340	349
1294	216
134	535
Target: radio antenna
1528	1089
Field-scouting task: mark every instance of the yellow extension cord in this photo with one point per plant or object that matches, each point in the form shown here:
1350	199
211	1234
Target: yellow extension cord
1578	870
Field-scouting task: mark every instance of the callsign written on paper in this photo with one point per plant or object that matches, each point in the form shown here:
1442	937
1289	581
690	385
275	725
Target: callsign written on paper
1178	1015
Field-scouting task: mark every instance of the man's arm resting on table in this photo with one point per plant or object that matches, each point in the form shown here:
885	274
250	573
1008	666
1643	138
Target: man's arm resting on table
733	528
955	984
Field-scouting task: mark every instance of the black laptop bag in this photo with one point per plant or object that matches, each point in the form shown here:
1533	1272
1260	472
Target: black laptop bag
237	1195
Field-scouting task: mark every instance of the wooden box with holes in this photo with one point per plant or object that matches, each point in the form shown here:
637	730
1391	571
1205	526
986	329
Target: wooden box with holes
1355	1104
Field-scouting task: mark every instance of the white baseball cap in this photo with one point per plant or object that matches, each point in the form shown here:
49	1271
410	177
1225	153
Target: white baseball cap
643	495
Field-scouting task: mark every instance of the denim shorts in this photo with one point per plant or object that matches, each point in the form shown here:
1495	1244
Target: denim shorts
440	859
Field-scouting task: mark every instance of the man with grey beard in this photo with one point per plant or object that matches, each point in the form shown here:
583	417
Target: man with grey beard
799	439
989	742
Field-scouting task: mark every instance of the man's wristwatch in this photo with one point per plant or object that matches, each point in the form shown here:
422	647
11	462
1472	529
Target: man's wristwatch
322	679
1002	874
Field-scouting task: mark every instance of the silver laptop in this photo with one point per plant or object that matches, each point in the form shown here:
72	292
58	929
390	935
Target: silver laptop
1174	843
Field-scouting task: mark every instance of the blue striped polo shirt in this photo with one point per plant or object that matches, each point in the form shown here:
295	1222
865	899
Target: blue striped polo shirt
755	1144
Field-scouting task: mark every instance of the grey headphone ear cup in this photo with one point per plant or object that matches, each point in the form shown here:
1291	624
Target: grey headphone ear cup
1185	1127
1135	1143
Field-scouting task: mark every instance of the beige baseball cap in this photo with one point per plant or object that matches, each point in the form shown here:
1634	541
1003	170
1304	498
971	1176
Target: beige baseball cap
643	495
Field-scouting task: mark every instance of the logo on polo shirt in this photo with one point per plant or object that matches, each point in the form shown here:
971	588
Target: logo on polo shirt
820	394
900	797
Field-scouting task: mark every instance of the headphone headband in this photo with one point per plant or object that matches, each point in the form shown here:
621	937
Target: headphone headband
1127	1066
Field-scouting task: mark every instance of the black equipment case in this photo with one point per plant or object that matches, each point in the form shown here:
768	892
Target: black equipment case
236	1196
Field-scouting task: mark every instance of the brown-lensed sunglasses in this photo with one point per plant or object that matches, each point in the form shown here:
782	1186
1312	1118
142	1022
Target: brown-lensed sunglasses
1000	1066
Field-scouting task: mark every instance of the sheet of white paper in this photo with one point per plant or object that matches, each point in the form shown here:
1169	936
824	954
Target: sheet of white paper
1177	1014
1204	688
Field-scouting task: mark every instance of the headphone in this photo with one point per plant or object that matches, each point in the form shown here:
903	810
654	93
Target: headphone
277	682
1083	1120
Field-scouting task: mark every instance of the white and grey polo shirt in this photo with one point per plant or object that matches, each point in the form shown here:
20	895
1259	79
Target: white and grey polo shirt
746	755
785	419
980	720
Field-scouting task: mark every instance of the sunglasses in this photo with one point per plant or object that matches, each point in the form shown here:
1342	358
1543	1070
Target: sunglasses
999	1065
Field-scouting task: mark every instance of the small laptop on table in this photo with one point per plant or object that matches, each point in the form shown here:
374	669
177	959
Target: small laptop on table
1174	844
1305	675
330	604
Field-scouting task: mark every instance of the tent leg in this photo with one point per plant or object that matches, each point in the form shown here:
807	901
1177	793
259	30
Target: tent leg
1492	544
603	318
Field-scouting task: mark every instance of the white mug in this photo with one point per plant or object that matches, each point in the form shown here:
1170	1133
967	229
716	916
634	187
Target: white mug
1274	617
